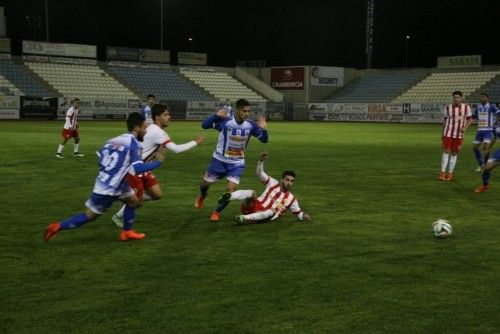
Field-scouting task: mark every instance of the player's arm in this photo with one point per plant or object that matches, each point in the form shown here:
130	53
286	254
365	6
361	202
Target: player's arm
213	121
297	211
141	167
259	129
178	148
263	177
468	118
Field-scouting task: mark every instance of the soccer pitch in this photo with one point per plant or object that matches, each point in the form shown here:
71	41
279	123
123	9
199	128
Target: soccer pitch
366	263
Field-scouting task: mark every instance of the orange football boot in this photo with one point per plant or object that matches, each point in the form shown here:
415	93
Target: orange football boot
215	216
51	230
481	189
131	235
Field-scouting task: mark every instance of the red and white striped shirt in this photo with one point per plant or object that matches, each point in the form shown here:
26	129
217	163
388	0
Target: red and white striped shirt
280	201
455	118
71	115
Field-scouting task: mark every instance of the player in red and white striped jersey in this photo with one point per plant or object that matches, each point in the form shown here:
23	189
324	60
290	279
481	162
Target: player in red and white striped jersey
70	130
457	118
273	202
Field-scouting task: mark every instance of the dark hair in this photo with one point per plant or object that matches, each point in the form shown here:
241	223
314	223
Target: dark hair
151	95
76	100
457	92
485	94
289	173
135	119
242	103
158	109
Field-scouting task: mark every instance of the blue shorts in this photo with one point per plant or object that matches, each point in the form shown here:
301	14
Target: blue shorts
218	169
483	137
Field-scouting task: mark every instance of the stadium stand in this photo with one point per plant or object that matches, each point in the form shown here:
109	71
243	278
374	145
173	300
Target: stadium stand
492	88
164	83
221	85
15	81
378	87
438	86
80	80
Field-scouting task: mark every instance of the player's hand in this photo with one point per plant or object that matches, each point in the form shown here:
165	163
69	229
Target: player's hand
222	113
199	139
306	217
160	153
263	156
261	122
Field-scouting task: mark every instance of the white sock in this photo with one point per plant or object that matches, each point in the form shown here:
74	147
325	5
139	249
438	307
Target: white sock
119	214
241	195
146	197
444	162
76	148
259	215
60	149
453	162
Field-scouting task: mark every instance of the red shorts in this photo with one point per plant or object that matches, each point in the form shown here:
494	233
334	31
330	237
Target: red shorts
67	133
452	144
255	206
141	182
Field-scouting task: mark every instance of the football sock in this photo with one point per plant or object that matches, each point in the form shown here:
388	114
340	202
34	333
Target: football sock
259	215
76	148
453	162
479	157
74	222
221	207
119	214
203	190
486	157
241	195
486	177
60	149
146	197
444	162
128	218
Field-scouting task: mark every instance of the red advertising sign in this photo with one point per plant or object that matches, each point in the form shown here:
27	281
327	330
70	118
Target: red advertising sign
288	78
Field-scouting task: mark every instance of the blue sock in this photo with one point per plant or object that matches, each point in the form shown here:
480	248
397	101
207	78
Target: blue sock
221	207
74	222
128	218
479	158
203	191
486	177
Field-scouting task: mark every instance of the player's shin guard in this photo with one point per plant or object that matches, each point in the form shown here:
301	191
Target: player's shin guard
203	191
479	157
128	218
221	206
74	222
486	177
444	162
453	162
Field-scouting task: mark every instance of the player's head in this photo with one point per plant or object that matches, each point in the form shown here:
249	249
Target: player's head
242	109
151	99
457	97
137	123
161	115
76	102
484	98
287	179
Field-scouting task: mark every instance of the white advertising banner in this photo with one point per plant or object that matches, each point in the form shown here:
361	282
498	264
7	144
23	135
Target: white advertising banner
198	110
95	108
327	76
192	58
60	49
459	61
9	113
9	102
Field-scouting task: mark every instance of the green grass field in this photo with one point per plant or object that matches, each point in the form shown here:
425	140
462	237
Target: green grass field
367	263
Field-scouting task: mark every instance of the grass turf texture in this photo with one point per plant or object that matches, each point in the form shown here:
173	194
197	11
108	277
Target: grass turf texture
367	262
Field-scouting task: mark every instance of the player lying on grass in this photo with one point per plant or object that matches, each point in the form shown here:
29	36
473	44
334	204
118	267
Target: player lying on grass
115	159
493	161
146	185
273	202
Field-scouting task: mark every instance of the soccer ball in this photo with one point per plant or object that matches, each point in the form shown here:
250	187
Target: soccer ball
441	228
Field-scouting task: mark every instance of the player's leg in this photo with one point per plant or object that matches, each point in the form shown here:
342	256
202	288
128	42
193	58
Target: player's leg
65	136
238	195
478	149
96	206
137	183
234	172
132	202
488	142
76	147
491	164
455	150
215	171
447	141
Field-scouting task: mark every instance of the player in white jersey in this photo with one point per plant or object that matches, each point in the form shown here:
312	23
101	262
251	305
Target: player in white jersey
116	158
492	162
229	156
272	203
484	113
146	185
457	118
70	130
147	109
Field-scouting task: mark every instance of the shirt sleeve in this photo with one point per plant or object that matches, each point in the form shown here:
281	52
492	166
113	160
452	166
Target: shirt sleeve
468	113
213	122
296	210
259	133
